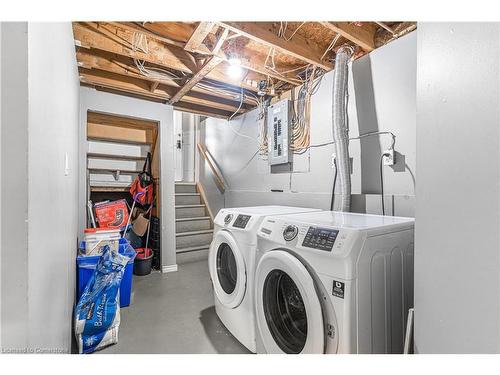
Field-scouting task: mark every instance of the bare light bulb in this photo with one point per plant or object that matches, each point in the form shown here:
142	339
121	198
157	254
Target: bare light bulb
234	70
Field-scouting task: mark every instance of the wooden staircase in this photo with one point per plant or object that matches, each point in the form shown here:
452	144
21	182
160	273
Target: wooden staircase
193	224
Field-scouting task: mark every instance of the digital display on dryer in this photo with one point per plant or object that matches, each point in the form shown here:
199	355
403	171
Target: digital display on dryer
320	238
241	221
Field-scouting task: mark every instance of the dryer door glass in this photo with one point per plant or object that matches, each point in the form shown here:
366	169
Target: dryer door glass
227	270
285	312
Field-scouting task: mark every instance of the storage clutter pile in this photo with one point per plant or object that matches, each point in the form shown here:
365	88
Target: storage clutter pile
115	246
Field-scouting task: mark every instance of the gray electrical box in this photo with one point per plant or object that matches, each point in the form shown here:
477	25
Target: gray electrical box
279	117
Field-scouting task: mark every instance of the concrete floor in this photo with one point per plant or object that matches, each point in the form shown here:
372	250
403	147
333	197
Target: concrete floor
174	313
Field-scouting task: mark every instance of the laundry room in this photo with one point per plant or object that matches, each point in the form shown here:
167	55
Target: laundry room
243	185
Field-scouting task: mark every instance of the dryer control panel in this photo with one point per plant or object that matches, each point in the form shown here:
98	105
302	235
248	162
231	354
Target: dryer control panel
241	221
320	238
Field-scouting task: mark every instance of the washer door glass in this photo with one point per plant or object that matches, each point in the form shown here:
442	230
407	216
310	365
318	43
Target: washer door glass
288	310
227	270
285	312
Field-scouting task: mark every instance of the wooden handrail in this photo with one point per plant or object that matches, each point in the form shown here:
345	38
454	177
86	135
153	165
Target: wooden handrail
219	180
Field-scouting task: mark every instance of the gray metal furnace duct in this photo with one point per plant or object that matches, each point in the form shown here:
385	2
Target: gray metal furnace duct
340	127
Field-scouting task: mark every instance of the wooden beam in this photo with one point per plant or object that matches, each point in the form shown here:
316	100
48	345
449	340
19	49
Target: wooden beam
195	42
141	88
266	34
109	38
222	38
211	63
208	66
202	110
356	34
134	27
154	86
112	63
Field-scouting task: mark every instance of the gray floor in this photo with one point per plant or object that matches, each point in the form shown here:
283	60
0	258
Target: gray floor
174	313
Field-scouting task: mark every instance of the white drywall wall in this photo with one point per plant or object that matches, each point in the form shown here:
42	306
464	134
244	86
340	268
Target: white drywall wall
53	188
381	98
92	100
0	185
14	189
40	89
457	267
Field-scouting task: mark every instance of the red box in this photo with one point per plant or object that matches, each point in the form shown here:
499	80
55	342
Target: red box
112	215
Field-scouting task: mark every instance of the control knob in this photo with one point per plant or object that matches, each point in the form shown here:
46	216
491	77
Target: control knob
290	232
228	218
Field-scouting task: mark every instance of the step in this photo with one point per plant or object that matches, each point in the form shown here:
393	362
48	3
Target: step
195	238
192	255
188	224
192	249
190	210
185	187
187	198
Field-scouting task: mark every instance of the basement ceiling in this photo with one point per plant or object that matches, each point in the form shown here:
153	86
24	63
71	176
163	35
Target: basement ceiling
218	69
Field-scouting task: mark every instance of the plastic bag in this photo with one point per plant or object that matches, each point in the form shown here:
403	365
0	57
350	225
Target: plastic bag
97	314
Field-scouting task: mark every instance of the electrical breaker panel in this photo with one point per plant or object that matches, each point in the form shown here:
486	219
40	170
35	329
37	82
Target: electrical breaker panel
279	117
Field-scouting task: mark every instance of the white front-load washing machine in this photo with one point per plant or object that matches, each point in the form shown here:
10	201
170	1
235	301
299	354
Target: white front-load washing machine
333	282
232	266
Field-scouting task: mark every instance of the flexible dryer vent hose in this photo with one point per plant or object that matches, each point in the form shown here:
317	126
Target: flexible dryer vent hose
340	127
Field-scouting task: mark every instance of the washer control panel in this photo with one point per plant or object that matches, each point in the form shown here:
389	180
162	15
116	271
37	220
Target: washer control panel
241	221
320	238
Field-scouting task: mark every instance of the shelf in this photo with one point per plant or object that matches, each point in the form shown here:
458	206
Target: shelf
94	155
107	170
123	141
109	189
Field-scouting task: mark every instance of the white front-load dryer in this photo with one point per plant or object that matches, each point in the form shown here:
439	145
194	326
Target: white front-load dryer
232	266
333	282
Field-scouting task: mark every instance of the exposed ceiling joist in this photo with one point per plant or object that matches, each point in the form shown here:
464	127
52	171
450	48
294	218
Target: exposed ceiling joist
195	42
109	38
134	27
124	66
187	63
361	36
202	110
141	88
265	33
211	63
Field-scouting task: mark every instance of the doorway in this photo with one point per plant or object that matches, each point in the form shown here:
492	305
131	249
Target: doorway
117	149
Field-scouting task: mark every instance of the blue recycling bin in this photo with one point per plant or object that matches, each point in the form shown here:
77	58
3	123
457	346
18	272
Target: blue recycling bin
87	264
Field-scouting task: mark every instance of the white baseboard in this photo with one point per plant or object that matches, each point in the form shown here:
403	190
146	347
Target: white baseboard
167	269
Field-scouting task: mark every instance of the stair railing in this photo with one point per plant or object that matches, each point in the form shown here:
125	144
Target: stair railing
219	179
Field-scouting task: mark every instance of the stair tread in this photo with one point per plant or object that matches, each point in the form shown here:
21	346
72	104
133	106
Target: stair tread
193	248
189	205
194	232
187	194
186	183
181	219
